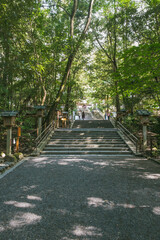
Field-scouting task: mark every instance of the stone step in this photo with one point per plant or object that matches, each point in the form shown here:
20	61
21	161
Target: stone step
74	152
53	141
86	138
86	148
85	132
84	135
92	124
80	131
86	145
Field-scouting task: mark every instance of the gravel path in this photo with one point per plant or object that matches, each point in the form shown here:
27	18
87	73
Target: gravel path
89	198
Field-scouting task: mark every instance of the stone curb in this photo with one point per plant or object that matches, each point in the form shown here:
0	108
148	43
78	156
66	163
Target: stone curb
154	160
12	168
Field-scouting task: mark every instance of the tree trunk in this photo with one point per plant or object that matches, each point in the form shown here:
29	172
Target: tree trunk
67	106
5	83
51	114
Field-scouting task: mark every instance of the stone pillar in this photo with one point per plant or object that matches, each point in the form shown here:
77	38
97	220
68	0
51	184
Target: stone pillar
57	119
144	137
39	125
9	141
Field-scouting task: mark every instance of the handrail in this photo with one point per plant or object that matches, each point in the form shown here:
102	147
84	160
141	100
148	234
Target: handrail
90	113
44	135
113	121
133	138
100	113
127	131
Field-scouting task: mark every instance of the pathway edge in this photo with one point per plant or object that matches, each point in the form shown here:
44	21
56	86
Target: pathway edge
12	168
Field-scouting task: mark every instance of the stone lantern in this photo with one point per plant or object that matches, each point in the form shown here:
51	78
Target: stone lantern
144	118
64	119
9	121
120	115
58	113
40	111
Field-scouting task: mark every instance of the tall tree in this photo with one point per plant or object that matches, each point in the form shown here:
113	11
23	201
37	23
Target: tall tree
74	47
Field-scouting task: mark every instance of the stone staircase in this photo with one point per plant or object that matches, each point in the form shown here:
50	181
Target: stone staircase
93	124
92	137
97	115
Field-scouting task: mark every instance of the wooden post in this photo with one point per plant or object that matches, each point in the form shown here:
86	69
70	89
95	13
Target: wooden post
9	141
18	136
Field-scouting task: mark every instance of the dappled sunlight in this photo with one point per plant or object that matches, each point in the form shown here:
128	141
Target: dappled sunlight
26	188
54	198
125	205
19	212
109	205
88	138
66	238
60	160
92	162
39	159
135	159
151	176
71	161
87	169
22	219
82	231
42	161
95	202
98	202
81	134
20	204
30	197
2	229
63	163
156	210
122	163
106	204
144	206
103	164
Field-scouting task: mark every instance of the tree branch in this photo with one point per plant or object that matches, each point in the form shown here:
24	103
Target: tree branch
104	50
73	17
89	16
59	5
64	10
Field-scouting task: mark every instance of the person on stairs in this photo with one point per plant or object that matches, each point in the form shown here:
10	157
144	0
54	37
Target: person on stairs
108	115
83	115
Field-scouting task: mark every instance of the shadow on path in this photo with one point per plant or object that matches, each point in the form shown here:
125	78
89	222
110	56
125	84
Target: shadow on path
72	197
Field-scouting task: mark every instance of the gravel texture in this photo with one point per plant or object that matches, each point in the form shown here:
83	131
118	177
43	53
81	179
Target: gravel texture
81	197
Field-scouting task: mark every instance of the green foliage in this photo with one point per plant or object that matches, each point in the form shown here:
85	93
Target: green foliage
139	71
35	44
132	123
